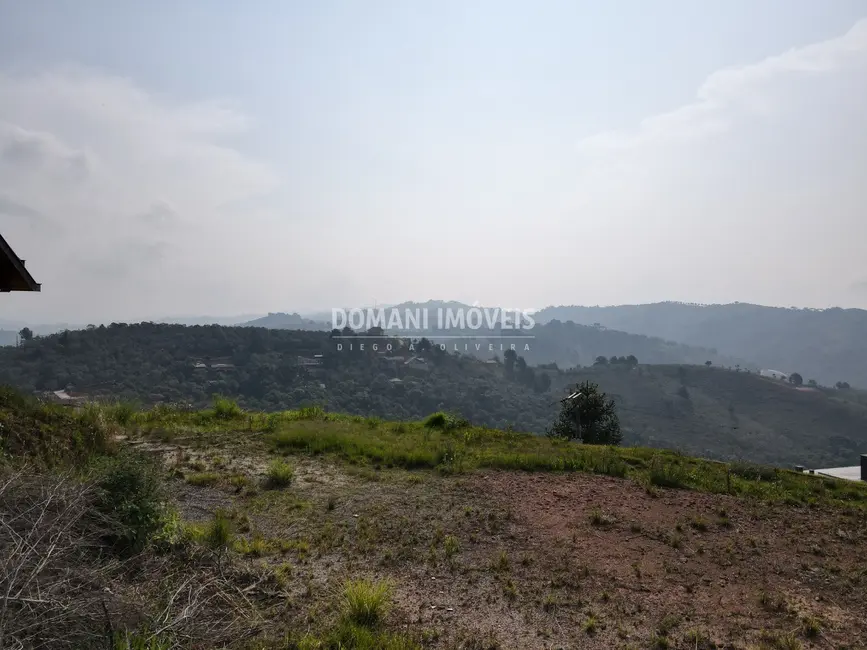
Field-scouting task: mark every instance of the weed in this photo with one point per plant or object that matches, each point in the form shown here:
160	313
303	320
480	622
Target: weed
451	546
203	479
279	474
365	602
218	535
226	409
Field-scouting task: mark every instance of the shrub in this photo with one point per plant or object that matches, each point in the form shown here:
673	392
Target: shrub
445	421
226	409
219	533
366	602
133	499
203	479
280	474
754	472
665	474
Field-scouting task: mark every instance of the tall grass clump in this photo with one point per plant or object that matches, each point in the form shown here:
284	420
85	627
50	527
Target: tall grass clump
226	409
445	421
279	474
366	602
670	474
219	532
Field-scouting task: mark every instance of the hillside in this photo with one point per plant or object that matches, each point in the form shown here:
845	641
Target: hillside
565	343
827	345
705	411
282	321
304	529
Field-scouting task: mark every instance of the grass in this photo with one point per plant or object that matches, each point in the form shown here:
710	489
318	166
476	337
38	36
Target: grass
203	479
450	445
366	602
279	474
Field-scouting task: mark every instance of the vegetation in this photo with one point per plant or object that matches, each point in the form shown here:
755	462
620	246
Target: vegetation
825	344
589	417
350	556
702	410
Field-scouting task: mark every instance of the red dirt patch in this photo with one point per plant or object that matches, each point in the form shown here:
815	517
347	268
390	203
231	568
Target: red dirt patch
729	567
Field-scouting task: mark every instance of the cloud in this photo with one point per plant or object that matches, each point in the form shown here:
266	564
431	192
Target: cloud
752	191
729	94
114	168
15	209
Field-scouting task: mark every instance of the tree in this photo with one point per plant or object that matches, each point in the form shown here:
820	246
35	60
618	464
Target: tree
601	361
632	360
26	334
708	363
796	379
842	385
510	357
543	382
590	418
812	383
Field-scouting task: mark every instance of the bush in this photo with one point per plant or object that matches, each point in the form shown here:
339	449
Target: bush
445	421
133	499
670	475
754	472
365	602
280	474
218	535
226	409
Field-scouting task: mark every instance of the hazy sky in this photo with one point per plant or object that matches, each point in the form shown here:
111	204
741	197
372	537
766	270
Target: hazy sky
217	157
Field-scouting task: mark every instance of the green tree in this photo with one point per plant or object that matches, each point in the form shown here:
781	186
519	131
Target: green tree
591	417
26	334
796	379
708	363
601	361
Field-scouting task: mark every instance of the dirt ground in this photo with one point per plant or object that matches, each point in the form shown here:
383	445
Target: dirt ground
518	560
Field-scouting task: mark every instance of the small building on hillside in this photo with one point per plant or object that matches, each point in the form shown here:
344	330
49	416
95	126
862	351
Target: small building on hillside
13	275
775	374
66	397
853	473
416	364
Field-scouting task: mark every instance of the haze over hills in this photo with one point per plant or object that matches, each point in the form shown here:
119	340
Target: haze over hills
707	411
828	345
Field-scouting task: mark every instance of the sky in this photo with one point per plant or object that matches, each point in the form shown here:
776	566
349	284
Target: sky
214	157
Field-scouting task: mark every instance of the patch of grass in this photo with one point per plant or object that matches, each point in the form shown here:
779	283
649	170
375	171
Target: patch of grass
226	409
590	626
811	626
599	518
501	563
279	474
203	479
445	421
668	473
769	640
699	524
219	533
366	602
451	546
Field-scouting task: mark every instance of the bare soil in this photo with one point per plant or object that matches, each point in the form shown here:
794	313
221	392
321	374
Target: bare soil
520	560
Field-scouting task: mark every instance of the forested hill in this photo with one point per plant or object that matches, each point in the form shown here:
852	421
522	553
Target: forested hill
828	345
711	412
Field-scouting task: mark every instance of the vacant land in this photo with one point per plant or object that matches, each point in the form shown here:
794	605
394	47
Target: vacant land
342	532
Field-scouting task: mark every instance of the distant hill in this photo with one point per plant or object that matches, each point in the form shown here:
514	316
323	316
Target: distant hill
828	345
566	344
710	412
281	321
